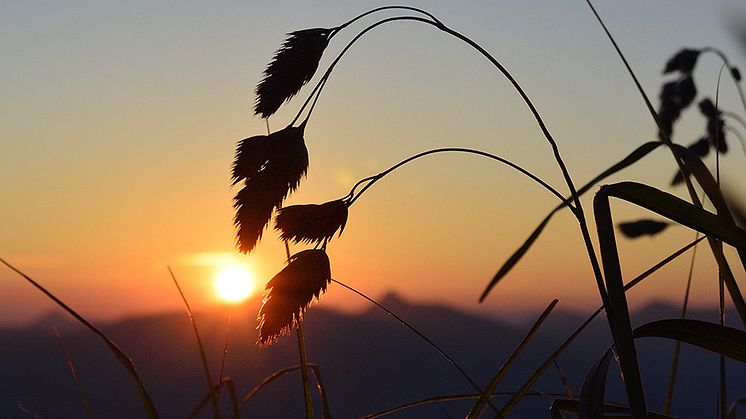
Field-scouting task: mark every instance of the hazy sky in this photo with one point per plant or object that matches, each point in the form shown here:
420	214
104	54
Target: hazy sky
119	122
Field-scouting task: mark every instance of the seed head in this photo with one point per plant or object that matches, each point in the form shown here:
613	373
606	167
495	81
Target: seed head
311	223
683	61
292	66
639	228
270	167
291	291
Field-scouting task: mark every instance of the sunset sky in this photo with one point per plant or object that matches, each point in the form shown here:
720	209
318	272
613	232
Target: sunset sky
120	120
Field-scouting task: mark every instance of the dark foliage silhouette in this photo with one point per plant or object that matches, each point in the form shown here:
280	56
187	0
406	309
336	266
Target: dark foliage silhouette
675	96
683	61
291	291
634	229
292	66
311	223
270	167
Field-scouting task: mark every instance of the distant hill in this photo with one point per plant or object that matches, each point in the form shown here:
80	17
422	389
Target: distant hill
369	362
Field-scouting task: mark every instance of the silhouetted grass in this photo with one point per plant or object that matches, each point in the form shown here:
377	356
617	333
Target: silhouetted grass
268	168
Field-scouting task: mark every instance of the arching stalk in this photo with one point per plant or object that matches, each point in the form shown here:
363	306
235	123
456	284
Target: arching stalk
352	196
576	209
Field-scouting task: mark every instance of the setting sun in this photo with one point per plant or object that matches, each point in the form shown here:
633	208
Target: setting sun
234	283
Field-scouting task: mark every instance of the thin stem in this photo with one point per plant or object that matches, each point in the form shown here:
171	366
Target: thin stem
577	209
726	62
74	375
378	9
326	412
308	402
203	357
421	335
721	279
677	348
304	372
322	80
448	398
371	180
126	362
225	355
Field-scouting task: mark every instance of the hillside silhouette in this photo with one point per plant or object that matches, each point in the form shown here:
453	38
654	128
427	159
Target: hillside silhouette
368	362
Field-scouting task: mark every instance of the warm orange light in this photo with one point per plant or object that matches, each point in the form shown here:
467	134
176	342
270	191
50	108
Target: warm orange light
234	283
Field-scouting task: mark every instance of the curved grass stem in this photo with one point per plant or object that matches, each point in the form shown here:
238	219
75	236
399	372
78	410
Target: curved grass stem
126	362
202	355
435	346
369	181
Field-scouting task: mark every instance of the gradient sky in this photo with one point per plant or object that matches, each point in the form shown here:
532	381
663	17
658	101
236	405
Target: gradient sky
119	122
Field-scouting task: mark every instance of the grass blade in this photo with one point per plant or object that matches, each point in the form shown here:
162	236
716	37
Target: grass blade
730	282
268	379
74	375
592	394
326	412
711	336
518	395
632	158
228	382
678	210
677	347
479	406
617	311
223	358
615	410
123	359
733	406
435	346
524	389
446	398
200	346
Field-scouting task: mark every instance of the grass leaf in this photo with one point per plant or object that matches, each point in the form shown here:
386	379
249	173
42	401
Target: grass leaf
676	209
617	311
711	336
591	403
615	410
478	407
632	158
123	359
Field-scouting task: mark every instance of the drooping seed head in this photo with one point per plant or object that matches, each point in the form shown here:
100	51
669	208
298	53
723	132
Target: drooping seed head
640	228
675	96
270	167
311	222
291	292
292	66
683	61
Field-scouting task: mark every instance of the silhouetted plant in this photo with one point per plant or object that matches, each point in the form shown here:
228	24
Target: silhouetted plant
270	167
292	66
312	223
293	289
639	228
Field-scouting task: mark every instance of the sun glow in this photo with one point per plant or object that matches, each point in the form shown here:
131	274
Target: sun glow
234	283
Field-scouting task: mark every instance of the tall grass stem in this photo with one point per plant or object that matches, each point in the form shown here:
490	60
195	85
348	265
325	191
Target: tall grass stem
126	362
200	345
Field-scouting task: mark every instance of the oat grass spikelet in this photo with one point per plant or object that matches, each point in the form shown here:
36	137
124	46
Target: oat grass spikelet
683	61
634	229
292	66
312	223
270	167
291	291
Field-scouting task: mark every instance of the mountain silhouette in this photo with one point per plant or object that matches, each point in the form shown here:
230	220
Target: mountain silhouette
369	362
